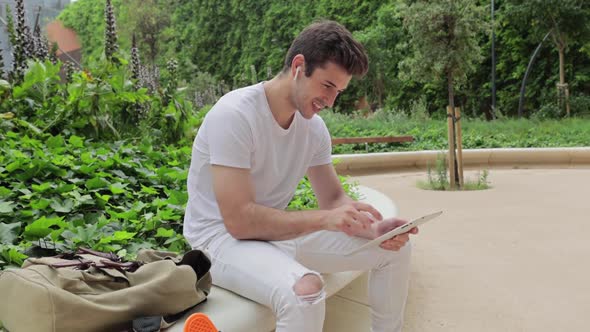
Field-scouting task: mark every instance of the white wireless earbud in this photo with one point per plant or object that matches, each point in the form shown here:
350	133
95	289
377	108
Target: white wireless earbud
296	73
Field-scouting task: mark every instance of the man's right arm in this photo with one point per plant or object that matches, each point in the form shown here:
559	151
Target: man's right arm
245	219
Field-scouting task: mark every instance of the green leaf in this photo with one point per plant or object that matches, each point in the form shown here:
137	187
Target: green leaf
162	232
168	214
65	207
123	236
104	198
76	141
44	226
87	169
127	215
41	187
15	257
55	142
119	174
148	190
81	199
96	183
118	188
9	232
6	207
87	158
65	188
40	204
4	192
177	197
13	166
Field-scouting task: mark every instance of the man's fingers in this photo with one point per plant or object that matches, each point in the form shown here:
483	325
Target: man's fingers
352	226
391	246
364	219
368	208
402	238
398	240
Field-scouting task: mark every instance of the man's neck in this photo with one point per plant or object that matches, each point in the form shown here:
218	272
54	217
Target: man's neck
278	93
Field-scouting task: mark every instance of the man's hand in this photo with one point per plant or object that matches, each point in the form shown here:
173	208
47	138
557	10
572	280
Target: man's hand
352	218
398	241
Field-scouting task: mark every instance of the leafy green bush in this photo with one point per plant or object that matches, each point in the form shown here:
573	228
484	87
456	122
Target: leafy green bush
120	197
580	105
431	134
115	197
102	103
438	179
260	32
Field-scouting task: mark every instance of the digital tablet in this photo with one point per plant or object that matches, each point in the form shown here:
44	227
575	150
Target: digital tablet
398	230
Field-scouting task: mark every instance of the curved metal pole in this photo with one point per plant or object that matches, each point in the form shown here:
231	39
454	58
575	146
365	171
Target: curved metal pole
526	75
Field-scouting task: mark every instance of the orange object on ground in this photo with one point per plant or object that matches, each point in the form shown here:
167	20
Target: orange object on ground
199	322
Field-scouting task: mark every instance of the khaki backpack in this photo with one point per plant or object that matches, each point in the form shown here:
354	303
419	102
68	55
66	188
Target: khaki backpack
93	291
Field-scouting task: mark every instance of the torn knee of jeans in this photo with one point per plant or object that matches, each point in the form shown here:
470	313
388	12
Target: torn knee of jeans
310	289
312	299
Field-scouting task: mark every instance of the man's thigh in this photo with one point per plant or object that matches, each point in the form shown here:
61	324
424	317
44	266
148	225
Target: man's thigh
254	269
325	252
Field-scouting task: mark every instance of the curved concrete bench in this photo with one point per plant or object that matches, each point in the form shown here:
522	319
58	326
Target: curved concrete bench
233	313
471	158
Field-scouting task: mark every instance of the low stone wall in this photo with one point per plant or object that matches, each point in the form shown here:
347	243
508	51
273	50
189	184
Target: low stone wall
486	158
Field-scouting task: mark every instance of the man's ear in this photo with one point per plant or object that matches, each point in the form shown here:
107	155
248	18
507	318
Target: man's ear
297	63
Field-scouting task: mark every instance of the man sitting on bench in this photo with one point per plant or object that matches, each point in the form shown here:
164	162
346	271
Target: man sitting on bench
251	151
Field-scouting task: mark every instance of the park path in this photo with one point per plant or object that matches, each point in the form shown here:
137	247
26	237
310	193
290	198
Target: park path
512	258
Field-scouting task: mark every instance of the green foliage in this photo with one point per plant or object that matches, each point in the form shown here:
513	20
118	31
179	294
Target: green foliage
227	38
101	103
438	179
444	38
88	20
149	20
564	18
118	197
432	134
75	193
382	41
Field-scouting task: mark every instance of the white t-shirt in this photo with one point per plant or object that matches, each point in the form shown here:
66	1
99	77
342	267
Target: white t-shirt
240	131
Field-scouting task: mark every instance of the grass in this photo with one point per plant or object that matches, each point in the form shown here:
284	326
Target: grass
431	133
438	179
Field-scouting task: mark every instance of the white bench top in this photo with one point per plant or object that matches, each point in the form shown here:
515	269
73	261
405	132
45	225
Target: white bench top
233	313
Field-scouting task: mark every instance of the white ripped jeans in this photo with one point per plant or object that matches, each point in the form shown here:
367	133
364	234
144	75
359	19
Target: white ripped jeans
266	272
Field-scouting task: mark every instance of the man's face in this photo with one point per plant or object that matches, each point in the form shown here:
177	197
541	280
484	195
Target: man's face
319	90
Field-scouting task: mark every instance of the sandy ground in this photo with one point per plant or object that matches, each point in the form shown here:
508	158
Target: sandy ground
512	258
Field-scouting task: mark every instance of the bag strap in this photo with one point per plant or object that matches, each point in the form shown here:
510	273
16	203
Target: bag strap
105	255
83	264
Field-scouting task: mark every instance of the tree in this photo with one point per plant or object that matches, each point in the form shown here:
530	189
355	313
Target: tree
381	40
444	37
148	21
568	20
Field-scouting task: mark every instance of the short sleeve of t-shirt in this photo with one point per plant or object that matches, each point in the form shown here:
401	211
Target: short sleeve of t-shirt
323	153
229	138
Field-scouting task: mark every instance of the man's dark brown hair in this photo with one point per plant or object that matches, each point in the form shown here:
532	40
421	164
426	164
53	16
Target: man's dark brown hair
325	41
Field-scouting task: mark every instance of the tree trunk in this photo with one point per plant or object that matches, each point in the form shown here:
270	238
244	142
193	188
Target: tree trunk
453	170
563	88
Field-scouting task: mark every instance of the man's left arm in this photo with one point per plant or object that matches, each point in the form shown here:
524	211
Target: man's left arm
327	187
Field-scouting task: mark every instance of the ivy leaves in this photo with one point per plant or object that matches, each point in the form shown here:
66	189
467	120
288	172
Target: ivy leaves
113	197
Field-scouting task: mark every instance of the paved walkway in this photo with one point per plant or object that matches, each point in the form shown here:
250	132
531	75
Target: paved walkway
512	258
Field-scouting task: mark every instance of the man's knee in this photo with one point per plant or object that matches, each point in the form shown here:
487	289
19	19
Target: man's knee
401	256
309	284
